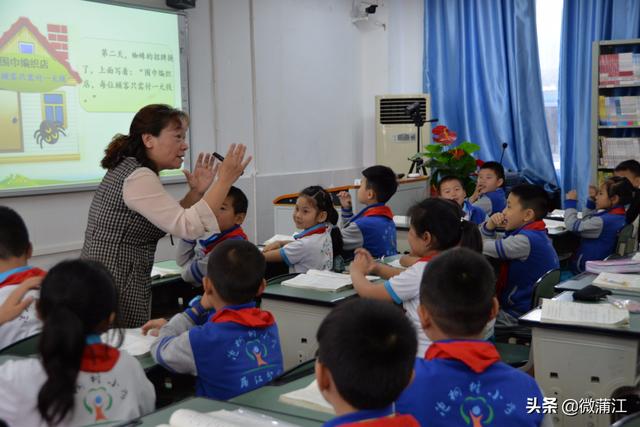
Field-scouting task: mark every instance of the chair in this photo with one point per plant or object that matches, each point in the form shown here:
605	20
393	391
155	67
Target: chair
629	412
631	420
516	355
545	286
624	244
25	347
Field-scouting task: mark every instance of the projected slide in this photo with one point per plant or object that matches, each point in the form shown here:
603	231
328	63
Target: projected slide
72	75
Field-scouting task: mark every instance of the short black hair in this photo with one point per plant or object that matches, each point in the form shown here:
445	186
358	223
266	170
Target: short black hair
457	289
631	165
450	178
532	197
14	237
236	268
382	180
369	347
239	200
496	168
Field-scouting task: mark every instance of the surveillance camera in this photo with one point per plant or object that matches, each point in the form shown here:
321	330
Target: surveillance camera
371	9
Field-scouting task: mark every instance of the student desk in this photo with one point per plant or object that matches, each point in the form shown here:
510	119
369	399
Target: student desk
170	294
576	283
266	398
201	404
579	361
298	313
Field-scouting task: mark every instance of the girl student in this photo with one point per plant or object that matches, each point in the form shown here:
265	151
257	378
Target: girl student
435	226
616	204
77	380
319	241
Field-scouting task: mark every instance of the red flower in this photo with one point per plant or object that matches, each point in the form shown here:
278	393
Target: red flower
443	135
479	163
457	153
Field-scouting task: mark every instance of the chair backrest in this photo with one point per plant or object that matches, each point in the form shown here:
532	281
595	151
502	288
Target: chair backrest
631	420
623	244
545	286
25	347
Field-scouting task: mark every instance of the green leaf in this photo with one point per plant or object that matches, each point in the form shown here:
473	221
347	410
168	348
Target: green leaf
469	147
433	148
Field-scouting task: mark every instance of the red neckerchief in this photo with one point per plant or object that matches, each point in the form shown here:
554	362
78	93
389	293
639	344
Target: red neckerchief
319	230
233	232
252	317
503	272
395	420
477	355
379	211
427	258
99	358
617	210
17	278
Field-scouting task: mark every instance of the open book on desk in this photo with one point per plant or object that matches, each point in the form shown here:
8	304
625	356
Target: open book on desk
552	223
159	272
619	282
279	238
559	213
133	343
308	397
575	313
322	280
222	418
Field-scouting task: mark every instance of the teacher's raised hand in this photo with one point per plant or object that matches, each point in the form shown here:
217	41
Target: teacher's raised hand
230	170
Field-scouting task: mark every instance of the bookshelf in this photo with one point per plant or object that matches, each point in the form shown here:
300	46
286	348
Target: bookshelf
615	105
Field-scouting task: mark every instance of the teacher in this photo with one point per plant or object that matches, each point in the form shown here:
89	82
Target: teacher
131	210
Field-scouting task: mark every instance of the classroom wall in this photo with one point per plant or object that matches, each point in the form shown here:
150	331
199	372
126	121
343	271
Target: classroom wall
295	80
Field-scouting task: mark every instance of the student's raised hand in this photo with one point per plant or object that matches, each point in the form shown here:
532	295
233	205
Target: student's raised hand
571	195
345	199
15	304
203	173
593	191
152	327
234	163
476	193
496	220
363	262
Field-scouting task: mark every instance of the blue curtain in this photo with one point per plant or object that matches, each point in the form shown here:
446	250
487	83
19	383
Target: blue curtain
583	22
482	70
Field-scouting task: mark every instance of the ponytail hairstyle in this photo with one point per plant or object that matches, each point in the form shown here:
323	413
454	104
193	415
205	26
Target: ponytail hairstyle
151	119
627	193
324	202
443	219
77	298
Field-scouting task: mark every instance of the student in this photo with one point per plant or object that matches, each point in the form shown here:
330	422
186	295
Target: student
435	226
629	169
599	230
489	195
366	352
77	380
193	254
525	250
15	251
461	380
229	344
373	227
451	188
319	241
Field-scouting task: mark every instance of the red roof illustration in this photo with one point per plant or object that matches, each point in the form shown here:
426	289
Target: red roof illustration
25	22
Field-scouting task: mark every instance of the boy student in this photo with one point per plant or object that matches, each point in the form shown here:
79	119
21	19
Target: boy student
373	227
461	380
15	251
366	353
452	188
525	250
193	254
229	344
629	169
489	195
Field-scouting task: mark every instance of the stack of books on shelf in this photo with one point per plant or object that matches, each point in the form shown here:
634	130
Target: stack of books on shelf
616	150
619	110
619	69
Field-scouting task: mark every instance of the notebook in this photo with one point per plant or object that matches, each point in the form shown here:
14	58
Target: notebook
279	238
551	223
322	280
222	418
575	313
614	266
617	281
134	342
308	397
157	272
560	213
401	220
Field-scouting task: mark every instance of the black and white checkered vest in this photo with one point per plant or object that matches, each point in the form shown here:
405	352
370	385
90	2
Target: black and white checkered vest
125	242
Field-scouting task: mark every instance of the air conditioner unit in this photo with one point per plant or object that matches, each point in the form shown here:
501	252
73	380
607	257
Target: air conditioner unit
396	132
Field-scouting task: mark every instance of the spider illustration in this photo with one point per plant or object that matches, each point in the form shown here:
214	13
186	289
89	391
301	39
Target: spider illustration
49	132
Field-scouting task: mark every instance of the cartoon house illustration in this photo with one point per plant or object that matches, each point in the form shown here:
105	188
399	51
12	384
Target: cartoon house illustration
37	86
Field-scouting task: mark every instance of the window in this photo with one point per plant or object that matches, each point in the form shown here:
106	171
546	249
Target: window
54	108
26	48
549	21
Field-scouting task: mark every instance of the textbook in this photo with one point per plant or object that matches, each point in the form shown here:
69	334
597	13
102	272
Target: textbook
575	313
133	342
624	282
552	223
308	397
322	280
158	272
279	238
560	213
613	266
223	418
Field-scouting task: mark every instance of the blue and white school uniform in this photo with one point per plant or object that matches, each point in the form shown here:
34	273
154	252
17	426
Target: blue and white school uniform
492	202
311	249
372	228
111	387
473	213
